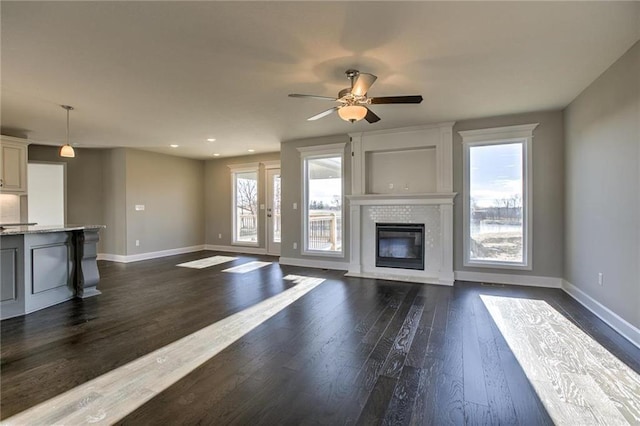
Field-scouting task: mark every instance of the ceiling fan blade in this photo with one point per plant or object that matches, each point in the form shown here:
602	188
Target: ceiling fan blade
322	114
371	116
362	84
324	98
413	99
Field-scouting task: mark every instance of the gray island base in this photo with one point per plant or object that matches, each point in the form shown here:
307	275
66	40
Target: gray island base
41	266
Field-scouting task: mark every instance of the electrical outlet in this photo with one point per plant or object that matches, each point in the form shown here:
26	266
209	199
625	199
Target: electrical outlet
295	246
295	206
137	243
219	236
600	278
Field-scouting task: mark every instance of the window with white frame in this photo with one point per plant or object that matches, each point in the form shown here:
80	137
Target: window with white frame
244	179
323	199
497	197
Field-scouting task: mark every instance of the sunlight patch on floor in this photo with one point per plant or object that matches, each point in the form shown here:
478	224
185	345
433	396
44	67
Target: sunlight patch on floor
247	267
577	380
207	262
112	396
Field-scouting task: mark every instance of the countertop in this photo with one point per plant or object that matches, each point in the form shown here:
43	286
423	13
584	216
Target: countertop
42	229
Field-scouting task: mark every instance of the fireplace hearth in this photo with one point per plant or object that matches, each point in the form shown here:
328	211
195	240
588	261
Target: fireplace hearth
400	245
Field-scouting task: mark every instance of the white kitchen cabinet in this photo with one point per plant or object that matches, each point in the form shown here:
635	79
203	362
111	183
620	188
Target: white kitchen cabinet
13	165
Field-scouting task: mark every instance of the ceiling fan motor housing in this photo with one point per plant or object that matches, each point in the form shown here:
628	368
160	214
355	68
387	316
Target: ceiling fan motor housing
344	92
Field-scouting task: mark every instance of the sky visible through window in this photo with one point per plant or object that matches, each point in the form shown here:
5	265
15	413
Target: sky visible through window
495	173
325	190
325	180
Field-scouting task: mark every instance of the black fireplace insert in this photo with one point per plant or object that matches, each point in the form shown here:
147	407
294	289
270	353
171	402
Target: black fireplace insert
400	245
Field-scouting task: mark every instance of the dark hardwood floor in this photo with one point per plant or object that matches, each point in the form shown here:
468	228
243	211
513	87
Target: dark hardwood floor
350	351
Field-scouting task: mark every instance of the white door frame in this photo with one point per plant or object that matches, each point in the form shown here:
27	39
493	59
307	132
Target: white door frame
271	168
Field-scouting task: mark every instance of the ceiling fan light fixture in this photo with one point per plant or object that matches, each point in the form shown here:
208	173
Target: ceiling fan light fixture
67	150
352	113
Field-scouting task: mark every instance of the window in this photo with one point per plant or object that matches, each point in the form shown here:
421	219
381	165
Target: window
497	197
245	204
323	199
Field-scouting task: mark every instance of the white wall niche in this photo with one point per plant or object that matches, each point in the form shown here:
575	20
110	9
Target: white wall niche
416	175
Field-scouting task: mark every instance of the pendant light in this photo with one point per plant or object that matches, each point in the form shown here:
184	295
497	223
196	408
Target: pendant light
67	150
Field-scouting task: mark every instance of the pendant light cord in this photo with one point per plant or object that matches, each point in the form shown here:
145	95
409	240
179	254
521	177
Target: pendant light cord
67	127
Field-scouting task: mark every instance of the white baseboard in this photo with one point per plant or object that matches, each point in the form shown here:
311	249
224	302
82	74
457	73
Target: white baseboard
150	255
311	263
236	249
529	280
612	319
112	257
403	278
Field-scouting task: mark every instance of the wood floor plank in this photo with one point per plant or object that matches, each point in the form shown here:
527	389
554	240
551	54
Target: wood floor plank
474	384
417	352
452	346
404	397
498	395
378	401
476	414
423	412
527	405
449	405
399	350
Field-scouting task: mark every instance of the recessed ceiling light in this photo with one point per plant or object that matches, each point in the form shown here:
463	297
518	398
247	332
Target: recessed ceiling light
251	150
173	145
211	140
216	155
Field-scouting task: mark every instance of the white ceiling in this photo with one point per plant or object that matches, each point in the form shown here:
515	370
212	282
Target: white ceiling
150	74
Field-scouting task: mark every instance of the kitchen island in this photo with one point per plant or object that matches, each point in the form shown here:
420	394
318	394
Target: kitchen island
41	266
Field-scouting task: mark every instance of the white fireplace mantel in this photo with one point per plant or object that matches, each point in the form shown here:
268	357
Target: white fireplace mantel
433	198
434	209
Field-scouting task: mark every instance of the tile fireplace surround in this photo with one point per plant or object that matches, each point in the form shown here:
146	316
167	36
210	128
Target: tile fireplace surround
403	205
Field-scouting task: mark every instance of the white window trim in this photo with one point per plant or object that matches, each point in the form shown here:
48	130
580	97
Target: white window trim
495	136
234	169
275	164
311	152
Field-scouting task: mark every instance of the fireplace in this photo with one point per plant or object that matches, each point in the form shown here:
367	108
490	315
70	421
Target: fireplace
409	198
400	245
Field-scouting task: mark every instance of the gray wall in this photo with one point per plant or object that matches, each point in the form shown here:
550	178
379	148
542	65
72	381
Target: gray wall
104	185
602	224
114	190
548	191
172	191
84	201
292	193
218	197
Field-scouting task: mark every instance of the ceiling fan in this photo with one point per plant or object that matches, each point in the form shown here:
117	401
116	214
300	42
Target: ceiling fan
353	101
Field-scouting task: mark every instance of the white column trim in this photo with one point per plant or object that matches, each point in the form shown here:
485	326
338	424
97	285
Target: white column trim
446	244
355	261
